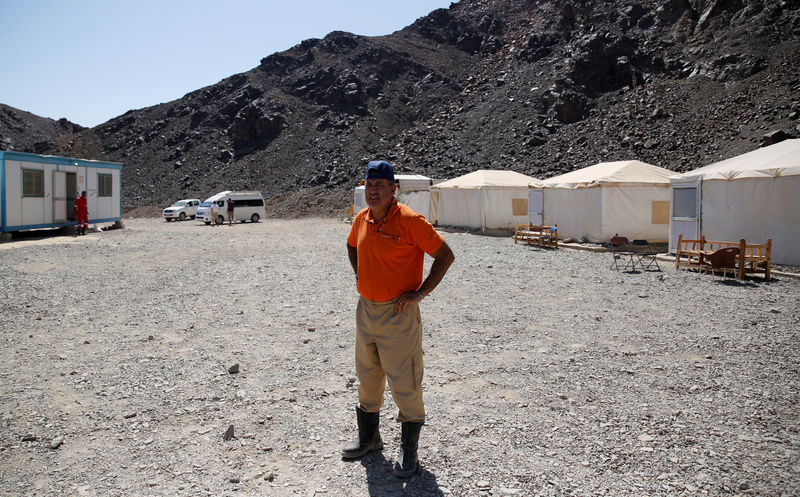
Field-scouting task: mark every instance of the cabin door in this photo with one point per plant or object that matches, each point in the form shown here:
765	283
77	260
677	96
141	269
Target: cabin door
535	206
685	205
59	196
72	195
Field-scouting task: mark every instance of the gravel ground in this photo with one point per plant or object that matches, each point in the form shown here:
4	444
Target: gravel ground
547	373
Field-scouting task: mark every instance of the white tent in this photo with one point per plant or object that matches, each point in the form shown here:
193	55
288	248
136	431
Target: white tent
754	196
412	190
484	199
629	198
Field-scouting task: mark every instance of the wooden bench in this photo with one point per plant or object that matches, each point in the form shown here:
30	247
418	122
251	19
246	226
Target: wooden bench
543	236
753	258
756	258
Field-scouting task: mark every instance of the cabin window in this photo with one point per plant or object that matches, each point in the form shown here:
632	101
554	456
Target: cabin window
104	185
684	202
32	183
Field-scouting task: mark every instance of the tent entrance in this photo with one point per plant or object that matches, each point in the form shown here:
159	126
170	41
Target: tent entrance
433	209
535	206
685	212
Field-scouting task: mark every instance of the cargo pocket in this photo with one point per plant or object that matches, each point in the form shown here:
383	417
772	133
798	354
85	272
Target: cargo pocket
417	369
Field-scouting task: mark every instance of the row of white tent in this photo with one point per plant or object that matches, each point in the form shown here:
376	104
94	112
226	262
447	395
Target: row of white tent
754	196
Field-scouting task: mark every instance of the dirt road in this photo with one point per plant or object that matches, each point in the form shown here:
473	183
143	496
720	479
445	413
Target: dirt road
547	373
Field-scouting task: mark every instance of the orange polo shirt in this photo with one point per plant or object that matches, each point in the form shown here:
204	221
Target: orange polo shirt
391	253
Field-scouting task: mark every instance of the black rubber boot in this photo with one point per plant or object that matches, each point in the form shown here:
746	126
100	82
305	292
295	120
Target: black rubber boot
369	438
407	463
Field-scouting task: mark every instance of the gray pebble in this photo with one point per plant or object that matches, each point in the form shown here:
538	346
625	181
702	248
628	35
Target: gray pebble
228	433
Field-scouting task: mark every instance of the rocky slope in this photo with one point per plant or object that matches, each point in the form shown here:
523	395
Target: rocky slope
20	130
538	86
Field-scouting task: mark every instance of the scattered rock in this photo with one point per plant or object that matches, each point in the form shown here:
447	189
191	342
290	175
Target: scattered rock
774	137
511	395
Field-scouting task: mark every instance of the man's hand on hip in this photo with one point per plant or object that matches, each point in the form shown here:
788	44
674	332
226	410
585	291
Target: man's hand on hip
405	299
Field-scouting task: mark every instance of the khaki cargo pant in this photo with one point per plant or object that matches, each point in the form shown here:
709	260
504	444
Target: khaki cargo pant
389	346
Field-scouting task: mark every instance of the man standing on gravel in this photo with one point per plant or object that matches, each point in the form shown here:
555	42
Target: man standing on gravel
231	207
213	210
387	246
82	213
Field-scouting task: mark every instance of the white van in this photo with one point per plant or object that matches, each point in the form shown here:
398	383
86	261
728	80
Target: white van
248	205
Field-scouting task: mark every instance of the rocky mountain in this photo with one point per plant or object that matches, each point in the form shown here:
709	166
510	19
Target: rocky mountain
537	86
26	132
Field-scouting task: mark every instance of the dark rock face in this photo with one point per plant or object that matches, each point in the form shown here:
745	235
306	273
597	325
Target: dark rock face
255	126
26	132
538	86
603	62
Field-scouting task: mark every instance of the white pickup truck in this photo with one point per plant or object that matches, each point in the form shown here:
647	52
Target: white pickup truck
182	209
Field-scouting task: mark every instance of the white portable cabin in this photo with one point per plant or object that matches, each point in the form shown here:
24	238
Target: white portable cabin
483	199
39	191
629	198
412	190
754	196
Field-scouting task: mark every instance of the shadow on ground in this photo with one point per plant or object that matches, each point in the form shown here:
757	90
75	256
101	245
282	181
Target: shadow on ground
382	483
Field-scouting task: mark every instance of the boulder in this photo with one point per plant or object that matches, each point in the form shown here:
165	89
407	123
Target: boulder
774	137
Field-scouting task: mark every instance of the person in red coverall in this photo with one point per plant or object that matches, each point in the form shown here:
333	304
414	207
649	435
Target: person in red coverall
82	213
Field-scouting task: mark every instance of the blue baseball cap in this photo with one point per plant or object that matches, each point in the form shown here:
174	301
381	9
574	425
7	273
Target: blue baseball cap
380	169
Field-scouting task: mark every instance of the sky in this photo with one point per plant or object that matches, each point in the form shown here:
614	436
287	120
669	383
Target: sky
92	60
